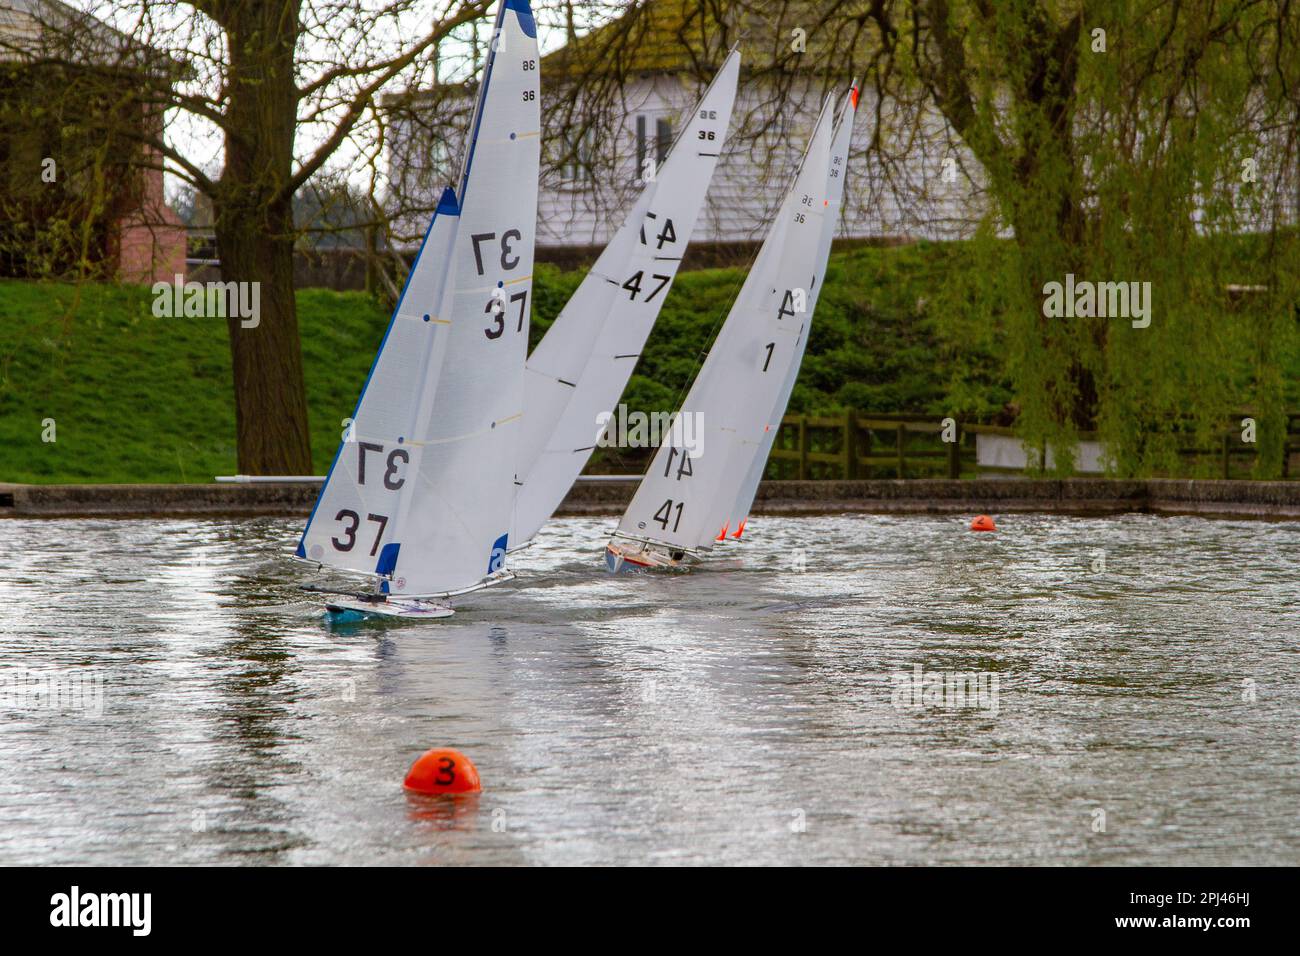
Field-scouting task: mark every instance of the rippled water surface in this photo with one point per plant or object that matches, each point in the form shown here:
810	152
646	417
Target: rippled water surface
1147	683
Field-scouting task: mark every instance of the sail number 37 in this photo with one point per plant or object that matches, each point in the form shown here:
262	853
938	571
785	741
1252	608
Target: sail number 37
496	306
391	480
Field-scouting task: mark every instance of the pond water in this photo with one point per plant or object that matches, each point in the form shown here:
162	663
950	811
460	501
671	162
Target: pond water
1090	691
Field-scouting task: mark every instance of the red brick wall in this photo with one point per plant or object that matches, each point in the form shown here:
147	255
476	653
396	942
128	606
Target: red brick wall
151	238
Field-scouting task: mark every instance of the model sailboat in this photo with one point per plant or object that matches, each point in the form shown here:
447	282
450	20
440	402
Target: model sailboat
581	366
686	502
421	491
734	524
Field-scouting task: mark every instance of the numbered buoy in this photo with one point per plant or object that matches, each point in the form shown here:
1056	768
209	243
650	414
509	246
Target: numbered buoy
442	770
983	523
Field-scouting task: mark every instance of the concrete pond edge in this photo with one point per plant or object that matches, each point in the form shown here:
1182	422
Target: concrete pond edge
1275	500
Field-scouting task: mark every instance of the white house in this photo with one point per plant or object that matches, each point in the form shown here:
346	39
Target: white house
613	98
594	155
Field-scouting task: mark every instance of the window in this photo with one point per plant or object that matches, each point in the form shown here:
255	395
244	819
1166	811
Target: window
640	148
663	141
580	160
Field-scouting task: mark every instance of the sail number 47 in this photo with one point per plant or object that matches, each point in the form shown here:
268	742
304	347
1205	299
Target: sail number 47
633	285
669	234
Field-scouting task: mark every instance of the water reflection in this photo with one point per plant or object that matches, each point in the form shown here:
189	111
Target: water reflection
1145	667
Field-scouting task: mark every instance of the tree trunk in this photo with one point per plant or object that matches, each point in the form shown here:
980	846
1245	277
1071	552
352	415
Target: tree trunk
255	236
1047	214
270	395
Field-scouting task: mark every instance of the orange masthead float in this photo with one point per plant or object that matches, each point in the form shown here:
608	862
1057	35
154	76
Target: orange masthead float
442	770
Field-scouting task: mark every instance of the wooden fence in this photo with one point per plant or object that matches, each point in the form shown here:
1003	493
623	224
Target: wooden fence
854	444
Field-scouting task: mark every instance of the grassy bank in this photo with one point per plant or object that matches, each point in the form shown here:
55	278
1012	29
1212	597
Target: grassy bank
137	398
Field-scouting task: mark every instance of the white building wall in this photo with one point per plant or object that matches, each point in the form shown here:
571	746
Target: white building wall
924	185
575	208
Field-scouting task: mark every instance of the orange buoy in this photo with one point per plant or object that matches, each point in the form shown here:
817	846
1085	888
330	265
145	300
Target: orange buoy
442	770
983	523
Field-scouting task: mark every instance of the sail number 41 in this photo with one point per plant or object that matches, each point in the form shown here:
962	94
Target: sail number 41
665	514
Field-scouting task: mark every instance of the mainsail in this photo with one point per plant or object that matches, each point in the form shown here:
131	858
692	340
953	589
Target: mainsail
676	505
733	522
421	490
580	368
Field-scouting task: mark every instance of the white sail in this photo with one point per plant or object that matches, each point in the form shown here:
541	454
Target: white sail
581	367
734	522
455	528
434	508
367	481
737	385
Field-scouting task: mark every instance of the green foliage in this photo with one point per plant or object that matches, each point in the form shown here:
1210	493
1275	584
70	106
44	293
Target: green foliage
1177	112
138	398
63	226
134	398
921	328
1122	158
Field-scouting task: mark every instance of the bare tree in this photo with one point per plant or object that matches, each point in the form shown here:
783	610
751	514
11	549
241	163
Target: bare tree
1100	137
1113	152
288	86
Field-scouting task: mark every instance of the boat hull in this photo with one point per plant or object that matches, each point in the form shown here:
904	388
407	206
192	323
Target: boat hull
636	556
348	610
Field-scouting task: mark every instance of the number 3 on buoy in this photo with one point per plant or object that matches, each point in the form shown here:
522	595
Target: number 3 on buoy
442	771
